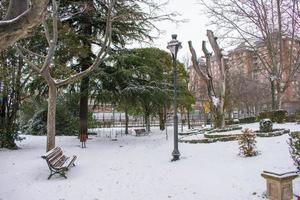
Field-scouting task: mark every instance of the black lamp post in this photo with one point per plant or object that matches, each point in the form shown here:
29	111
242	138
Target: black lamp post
174	45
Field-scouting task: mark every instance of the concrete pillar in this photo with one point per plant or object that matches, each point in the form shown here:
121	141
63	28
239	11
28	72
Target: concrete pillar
279	186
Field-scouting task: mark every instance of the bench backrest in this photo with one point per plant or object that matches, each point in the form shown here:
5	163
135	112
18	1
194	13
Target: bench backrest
54	156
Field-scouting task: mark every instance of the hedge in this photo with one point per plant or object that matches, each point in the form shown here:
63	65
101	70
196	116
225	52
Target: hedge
278	116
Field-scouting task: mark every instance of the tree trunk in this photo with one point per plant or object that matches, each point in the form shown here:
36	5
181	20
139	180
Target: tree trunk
85	64
217	102
181	119
162	121
188	119
219	121
273	95
83	108
147	122
51	117
126	121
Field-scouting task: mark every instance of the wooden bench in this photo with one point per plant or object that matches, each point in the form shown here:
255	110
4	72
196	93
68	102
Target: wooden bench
141	131
57	162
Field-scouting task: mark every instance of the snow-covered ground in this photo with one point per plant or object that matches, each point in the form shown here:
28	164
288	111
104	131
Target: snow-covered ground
139	168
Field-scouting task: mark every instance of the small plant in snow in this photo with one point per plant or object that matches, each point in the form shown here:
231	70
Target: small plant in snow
294	143
265	125
247	143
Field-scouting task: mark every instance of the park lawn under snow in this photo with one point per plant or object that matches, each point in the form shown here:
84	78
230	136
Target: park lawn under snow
139	168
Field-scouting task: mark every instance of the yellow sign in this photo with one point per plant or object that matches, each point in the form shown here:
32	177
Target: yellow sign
206	107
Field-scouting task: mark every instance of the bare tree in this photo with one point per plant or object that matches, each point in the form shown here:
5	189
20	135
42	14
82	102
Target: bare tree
274	25
217	101
20	19
45	70
246	93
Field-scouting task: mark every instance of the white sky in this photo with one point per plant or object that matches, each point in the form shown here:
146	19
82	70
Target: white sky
194	29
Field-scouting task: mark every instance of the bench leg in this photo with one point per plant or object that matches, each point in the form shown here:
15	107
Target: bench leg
52	173
60	173
63	174
50	176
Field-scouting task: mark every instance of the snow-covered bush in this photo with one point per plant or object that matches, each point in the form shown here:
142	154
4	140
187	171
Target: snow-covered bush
265	125
247	143
294	143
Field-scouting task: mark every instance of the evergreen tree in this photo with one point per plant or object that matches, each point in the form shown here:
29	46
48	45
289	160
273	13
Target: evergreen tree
86	21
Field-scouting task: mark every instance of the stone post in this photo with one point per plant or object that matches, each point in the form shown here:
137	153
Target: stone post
279	186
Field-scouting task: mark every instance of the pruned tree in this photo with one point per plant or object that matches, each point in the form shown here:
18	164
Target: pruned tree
270	29
45	69
217	100
20	19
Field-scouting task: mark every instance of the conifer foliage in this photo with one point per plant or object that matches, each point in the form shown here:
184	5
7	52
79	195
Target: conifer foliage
294	143
247	143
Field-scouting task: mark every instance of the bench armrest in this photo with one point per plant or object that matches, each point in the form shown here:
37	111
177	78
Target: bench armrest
69	161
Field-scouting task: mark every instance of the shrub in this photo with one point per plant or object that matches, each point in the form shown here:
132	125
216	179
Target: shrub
251	119
247	143
34	116
278	116
294	147
265	115
265	125
297	115
291	118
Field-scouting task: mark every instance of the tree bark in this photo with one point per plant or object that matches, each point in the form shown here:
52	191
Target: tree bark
20	20
147	122
126	121
188	119
85	64
51	117
83	108
162	119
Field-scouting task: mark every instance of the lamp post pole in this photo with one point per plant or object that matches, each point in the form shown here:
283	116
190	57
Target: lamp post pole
174	46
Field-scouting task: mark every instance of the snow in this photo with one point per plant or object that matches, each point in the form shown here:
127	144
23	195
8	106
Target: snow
215	101
135	168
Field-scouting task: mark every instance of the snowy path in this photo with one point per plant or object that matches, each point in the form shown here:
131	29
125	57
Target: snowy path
139	168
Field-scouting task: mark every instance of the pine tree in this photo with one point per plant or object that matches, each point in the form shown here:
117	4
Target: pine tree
294	143
247	142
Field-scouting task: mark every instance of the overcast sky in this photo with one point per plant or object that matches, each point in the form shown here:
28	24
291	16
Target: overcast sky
194	29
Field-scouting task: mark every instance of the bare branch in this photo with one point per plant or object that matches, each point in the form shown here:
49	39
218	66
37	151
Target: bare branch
13	29
30	52
31	64
46	30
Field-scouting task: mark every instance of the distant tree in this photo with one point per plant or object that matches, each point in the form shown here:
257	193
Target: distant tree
140	81
245	93
273	25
